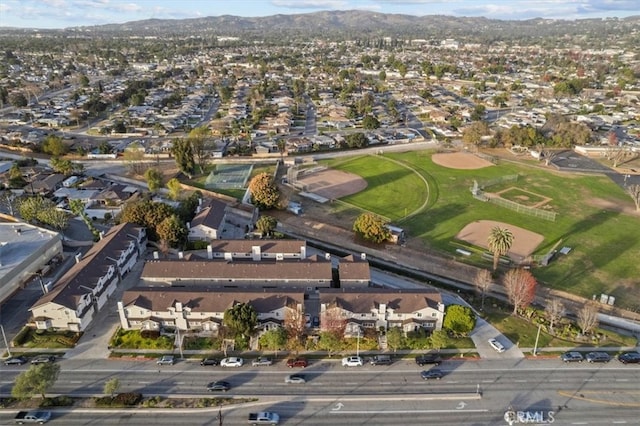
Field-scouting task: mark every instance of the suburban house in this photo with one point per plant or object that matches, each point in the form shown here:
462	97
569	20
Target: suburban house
202	309
375	308
114	195
86	287
217	219
44	184
307	274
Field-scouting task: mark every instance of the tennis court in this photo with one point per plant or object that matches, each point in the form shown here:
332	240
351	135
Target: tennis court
229	176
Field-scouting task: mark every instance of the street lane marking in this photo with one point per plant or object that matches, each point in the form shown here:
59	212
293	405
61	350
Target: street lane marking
406	411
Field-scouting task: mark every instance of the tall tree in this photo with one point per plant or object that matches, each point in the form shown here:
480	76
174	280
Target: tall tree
38	379
587	317
483	281
438	339
264	192
183	153
634	192
175	188
154	179
198	139
172	230
521	288
241	319
554	311
54	145
395	338
500	241
133	157
371	227
266	224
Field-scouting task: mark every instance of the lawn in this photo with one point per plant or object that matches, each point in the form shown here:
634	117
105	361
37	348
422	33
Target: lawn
132	339
605	244
393	190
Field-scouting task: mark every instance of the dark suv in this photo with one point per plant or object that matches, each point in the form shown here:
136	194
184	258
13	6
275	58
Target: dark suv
571	356
297	362
597	357
209	361
428	359
381	360
629	358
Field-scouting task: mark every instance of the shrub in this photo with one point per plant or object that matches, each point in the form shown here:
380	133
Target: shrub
57	401
22	336
127	399
149	334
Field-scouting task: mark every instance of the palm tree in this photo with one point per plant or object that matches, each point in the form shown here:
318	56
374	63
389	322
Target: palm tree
500	241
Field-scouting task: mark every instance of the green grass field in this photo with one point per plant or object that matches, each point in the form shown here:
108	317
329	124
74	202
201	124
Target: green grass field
605	244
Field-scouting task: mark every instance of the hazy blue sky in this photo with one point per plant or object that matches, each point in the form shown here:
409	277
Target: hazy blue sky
71	13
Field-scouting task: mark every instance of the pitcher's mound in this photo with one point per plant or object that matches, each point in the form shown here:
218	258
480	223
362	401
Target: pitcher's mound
460	160
524	242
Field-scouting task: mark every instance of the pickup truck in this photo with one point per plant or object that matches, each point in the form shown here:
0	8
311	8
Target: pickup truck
34	416
264	418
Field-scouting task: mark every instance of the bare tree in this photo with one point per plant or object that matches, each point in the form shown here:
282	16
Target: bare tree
521	288
483	281
634	191
554	312
331	320
588	317
548	155
294	324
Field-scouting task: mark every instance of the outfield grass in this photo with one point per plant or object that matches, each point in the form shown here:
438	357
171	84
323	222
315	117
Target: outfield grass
605	244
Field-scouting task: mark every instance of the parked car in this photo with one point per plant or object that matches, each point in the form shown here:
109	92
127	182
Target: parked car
15	360
166	360
219	386
433	374
497	346
43	359
352	361
233	361
428	359
261	361
33	416
598	357
629	358
307	320
381	360
297	362
295	379
209	361
571	356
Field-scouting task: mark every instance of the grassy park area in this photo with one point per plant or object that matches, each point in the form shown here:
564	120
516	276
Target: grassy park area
604	242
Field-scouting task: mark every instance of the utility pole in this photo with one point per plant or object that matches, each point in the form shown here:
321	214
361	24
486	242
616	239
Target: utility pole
535	348
358	344
4	337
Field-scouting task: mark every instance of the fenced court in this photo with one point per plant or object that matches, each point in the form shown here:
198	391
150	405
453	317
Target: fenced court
229	176
478	192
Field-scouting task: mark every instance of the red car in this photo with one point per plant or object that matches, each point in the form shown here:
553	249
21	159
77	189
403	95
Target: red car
297	362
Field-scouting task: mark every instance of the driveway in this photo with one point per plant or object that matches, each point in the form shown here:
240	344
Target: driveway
485	331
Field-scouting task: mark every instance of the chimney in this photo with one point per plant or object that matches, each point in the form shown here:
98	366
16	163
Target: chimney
188	225
101	234
327	256
156	255
209	252
180	255
78	256
256	253
303	252
178	306
363	256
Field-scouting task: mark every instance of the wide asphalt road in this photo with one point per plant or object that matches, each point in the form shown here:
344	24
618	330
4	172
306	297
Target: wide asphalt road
471	392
